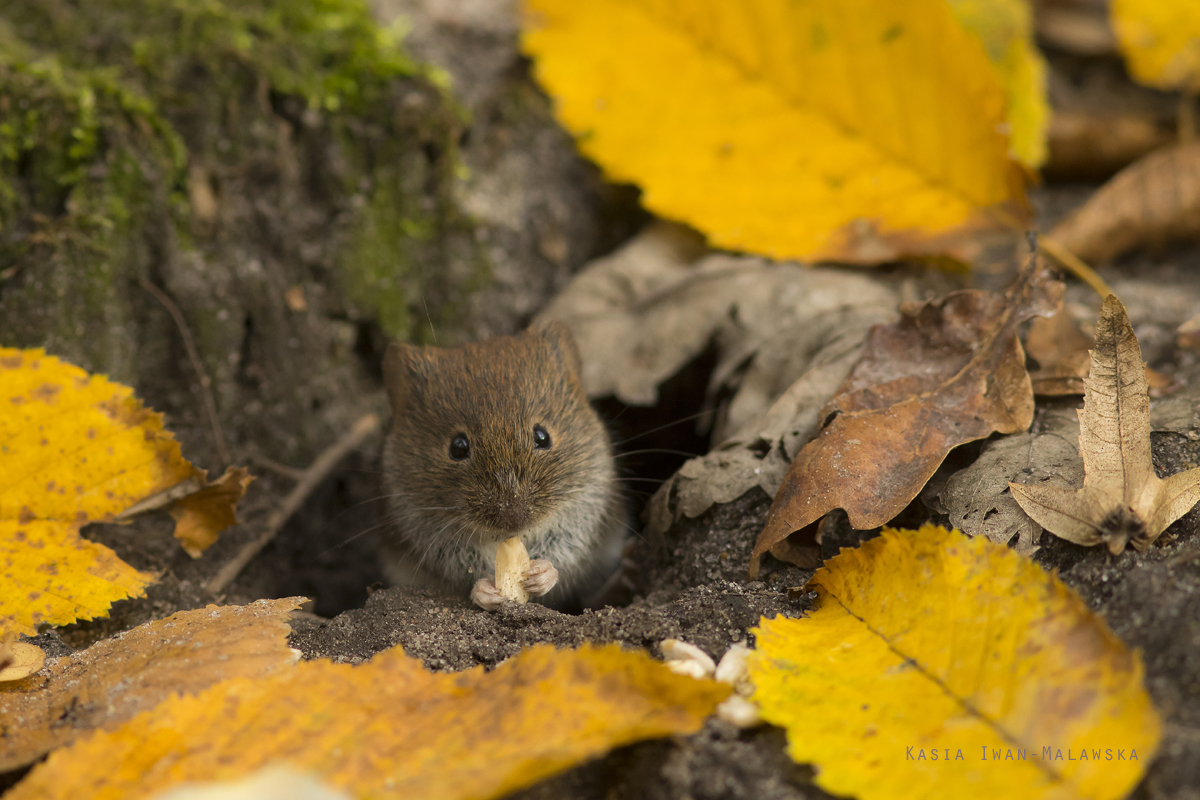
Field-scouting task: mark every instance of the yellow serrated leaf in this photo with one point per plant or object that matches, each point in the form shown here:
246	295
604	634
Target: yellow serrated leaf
937	665
389	728
1006	29
856	130
74	448
1160	41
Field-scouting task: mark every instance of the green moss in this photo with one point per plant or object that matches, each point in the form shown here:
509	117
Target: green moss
105	103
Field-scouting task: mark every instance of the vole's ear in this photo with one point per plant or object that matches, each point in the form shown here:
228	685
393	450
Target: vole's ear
562	342
398	365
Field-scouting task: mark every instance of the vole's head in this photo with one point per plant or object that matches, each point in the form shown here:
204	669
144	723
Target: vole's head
491	438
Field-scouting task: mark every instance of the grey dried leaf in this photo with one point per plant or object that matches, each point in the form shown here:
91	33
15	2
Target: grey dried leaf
978	499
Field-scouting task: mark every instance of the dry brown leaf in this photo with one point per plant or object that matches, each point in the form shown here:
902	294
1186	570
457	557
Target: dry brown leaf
201	509
1122	501
949	372
201	516
117	678
1151	202
806	362
1081	28
1062	352
1093	146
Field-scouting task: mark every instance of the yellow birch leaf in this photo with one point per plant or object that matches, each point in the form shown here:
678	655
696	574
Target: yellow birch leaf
74	448
1006	29
389	728
119	677
937	665
856	130
1160	41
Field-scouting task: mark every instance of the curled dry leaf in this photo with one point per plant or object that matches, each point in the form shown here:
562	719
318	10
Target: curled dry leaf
1151	202
758	130
1122	501
949	372
118	678
201	516
389	728
928	641
1093	146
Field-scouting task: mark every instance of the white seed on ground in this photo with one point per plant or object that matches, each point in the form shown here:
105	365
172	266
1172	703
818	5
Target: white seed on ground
739	712
687	659
733	671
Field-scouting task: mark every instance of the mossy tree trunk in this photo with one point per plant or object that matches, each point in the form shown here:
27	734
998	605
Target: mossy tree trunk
298	187
278	168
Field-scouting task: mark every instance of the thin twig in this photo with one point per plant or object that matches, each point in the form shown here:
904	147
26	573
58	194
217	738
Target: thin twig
283	469
313	476
210	405
1075	265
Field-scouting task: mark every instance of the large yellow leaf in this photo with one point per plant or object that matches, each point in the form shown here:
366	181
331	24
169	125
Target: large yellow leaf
936	665
74	448
1160	40
846	129
121	676
388	728
1006	29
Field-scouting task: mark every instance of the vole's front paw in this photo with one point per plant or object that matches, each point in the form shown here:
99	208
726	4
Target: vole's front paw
486	595
540	577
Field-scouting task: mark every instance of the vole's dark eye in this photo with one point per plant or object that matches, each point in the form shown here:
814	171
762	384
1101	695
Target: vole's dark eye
460	448
541	439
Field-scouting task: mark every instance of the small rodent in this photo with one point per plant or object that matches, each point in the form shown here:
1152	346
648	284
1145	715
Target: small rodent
492	440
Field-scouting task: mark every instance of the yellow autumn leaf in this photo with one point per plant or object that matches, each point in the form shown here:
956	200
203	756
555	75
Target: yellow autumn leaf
124	675
936	665
74	448
1006	29
1160	41
389	728
856	130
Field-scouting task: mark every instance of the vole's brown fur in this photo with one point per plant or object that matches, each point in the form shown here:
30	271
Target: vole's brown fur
449	515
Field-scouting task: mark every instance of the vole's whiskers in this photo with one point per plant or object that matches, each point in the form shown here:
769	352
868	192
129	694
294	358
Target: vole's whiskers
657	450
679	421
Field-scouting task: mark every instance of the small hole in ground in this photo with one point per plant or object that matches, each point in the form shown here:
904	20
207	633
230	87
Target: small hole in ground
652	442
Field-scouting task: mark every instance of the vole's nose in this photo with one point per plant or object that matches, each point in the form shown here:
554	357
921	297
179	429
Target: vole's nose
512	502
